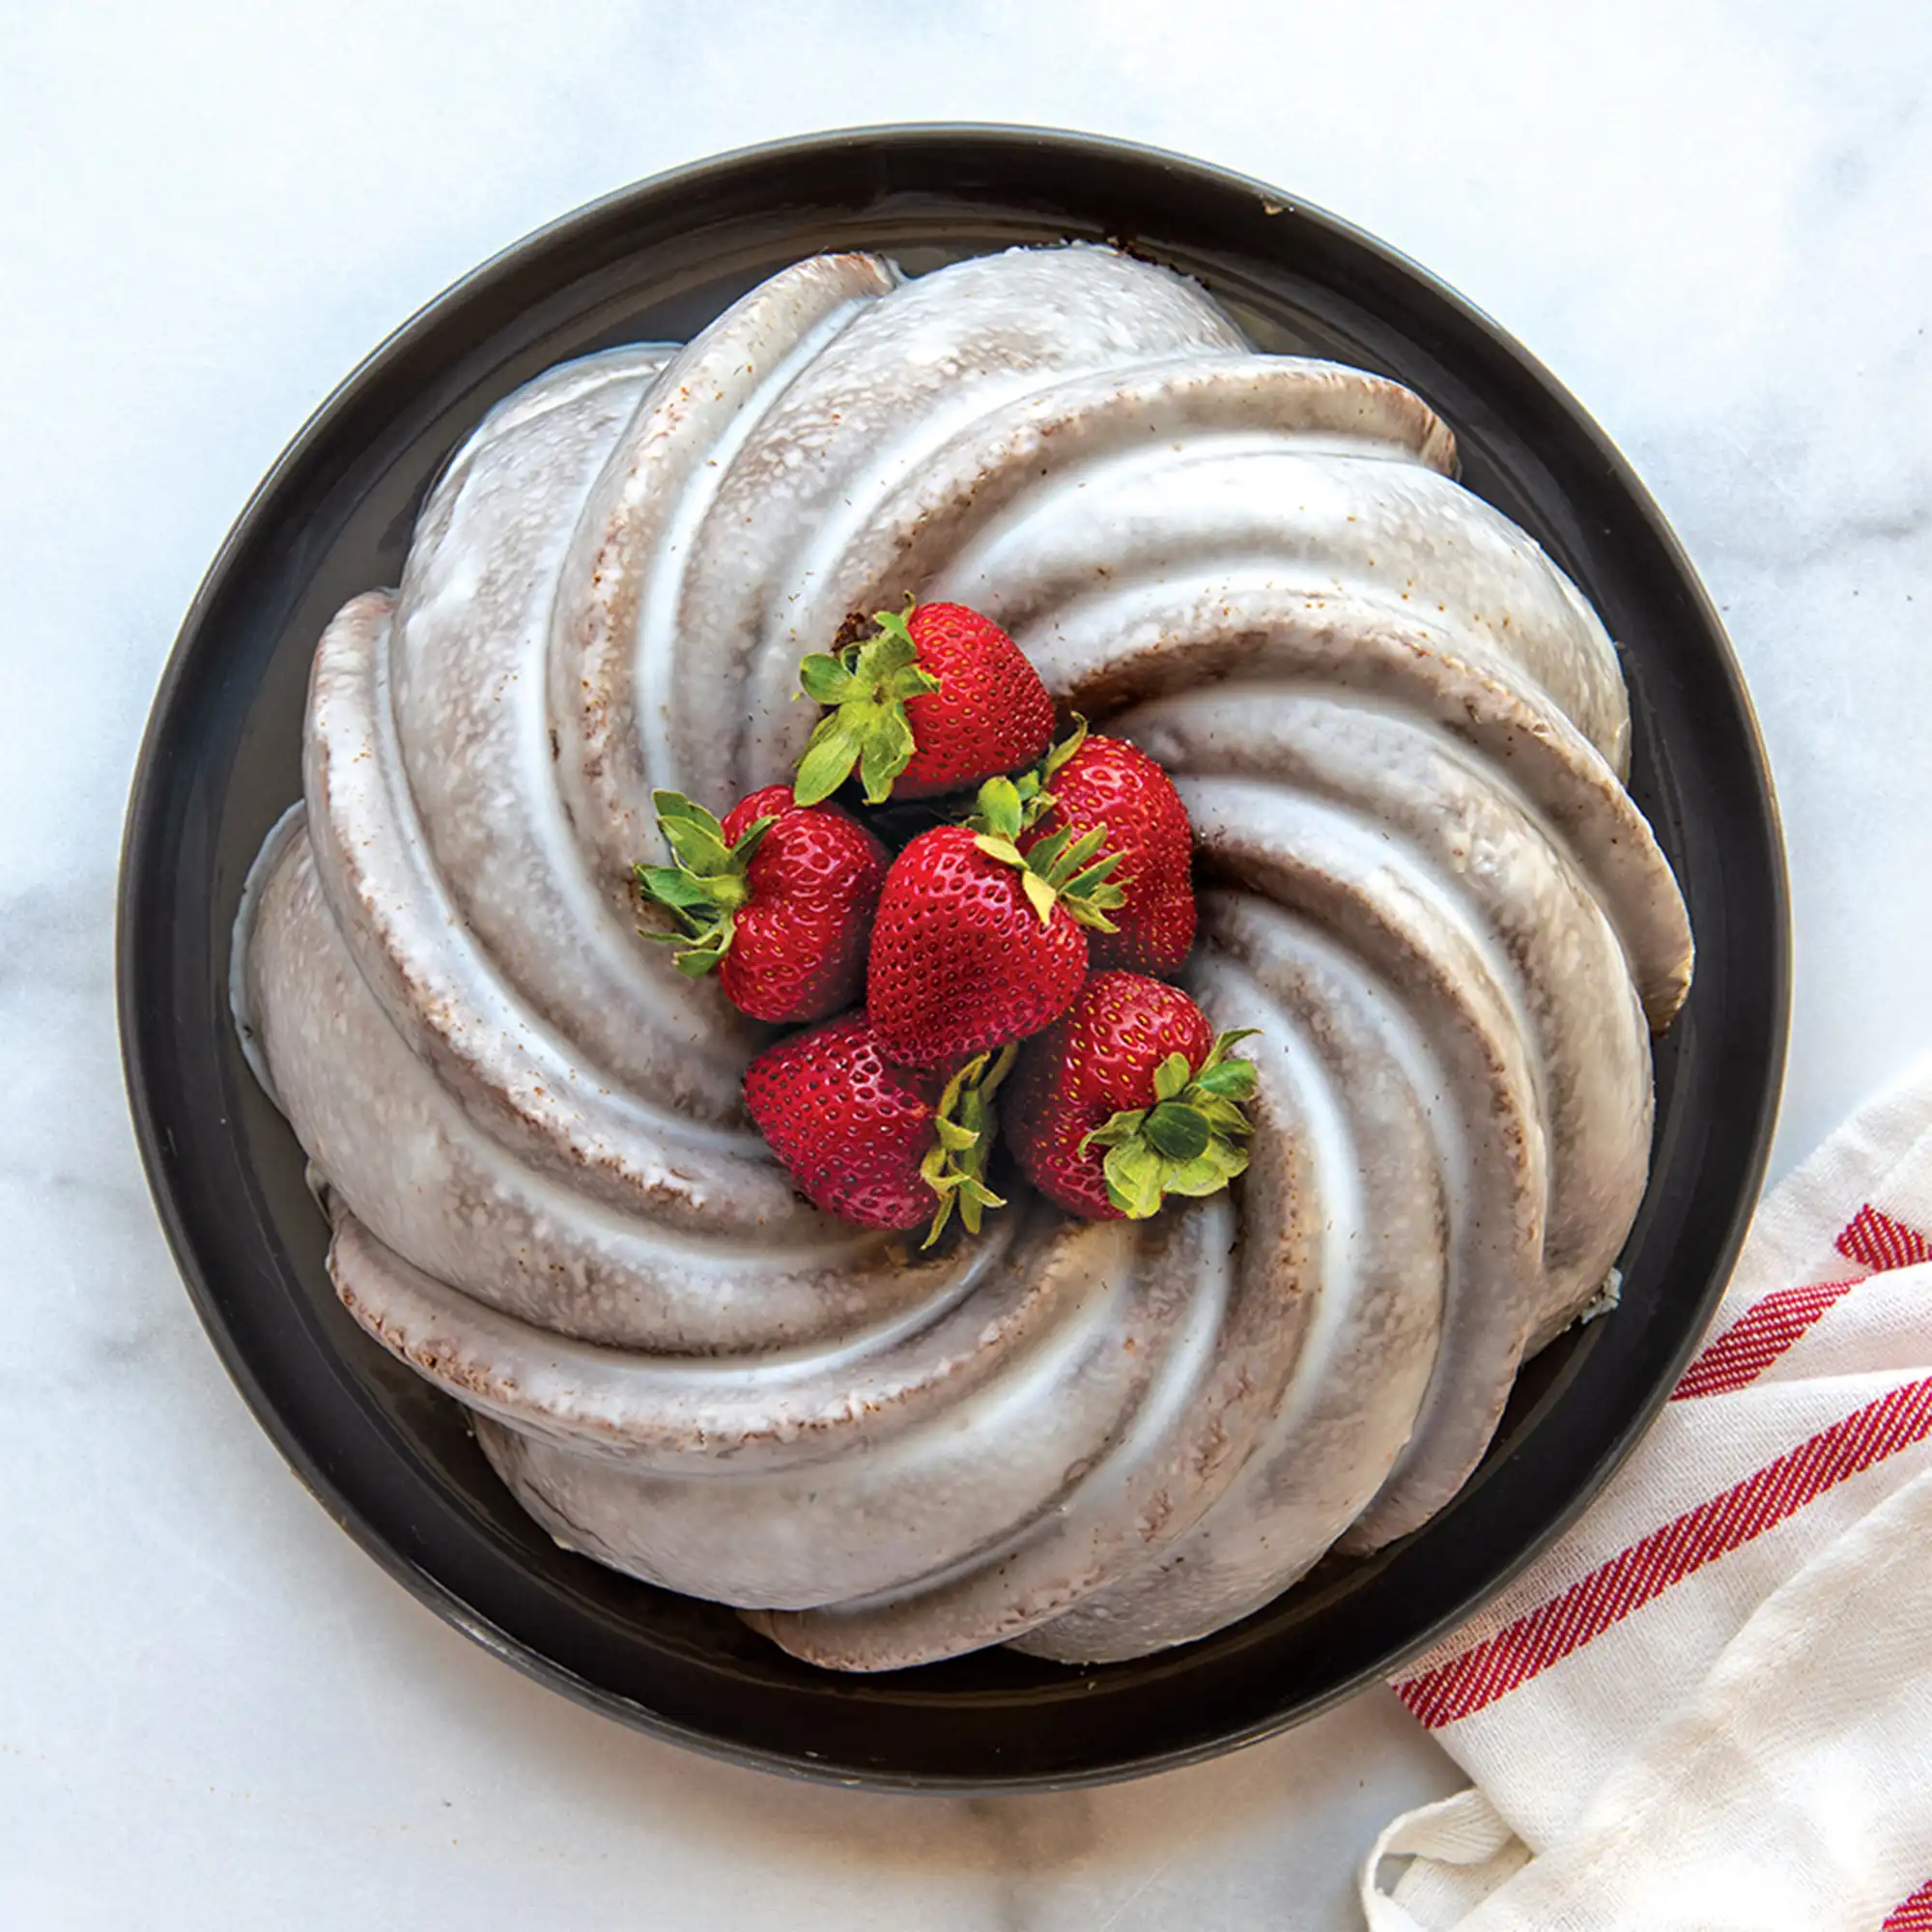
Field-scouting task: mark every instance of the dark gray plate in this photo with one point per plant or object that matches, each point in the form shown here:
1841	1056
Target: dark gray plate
393	1463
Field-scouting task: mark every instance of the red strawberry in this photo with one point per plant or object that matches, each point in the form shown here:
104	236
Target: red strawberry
870	1142
1108	781
780	897
976	943
940	698
1128	1098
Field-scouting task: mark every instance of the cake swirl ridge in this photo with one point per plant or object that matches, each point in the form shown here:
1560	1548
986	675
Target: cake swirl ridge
1401	735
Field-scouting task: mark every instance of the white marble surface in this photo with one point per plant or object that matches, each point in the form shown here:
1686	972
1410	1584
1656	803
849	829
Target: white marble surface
1709	219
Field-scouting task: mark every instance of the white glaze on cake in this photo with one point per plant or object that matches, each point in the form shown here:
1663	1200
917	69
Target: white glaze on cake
1401	735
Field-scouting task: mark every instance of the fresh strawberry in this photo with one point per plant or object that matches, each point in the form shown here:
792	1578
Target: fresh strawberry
1129	1097
1107	781
977	943
939	698
871	1142
781	898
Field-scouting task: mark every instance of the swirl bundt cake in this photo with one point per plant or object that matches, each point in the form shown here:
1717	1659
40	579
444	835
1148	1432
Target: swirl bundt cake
1401	735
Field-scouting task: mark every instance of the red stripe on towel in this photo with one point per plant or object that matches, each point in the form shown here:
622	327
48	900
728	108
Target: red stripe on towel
1915	1914
1650	1566
1756	1339
1879	1242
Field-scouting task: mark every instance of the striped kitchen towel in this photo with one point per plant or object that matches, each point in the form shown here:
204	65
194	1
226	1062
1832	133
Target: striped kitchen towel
1710	1705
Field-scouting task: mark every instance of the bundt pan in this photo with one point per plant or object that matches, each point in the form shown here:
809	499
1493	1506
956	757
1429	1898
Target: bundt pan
399	1463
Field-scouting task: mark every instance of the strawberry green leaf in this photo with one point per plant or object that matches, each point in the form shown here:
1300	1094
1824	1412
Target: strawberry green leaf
1170	1077
884	753
1208	1174
952	1137
1044	851
1091	916
1081	879
1090	896
1133	1173
1225	1043
1001	849
672	887
694	961
824	678
695	838
830	753
1040	895
893	649
1035	800
963	1132
705	885
1177	1131
1224	1116
1231	1079
997	810
673	808
1068	860
1065	749
911	682
751	838
973	1198
868	684
1122	1127
1095	882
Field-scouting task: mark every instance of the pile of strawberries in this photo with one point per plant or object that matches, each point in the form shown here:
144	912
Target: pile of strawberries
1031	937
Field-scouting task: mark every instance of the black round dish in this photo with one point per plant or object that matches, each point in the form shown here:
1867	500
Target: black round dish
394	1463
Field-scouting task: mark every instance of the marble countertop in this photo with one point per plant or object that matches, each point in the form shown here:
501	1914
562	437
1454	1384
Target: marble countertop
1707	219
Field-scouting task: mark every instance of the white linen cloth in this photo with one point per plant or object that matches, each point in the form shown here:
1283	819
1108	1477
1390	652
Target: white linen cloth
1710	1705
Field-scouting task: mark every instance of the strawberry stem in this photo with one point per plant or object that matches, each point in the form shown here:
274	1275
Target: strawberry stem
867	685
964	1128
1031	786
705	884
1054	872
1187	1140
